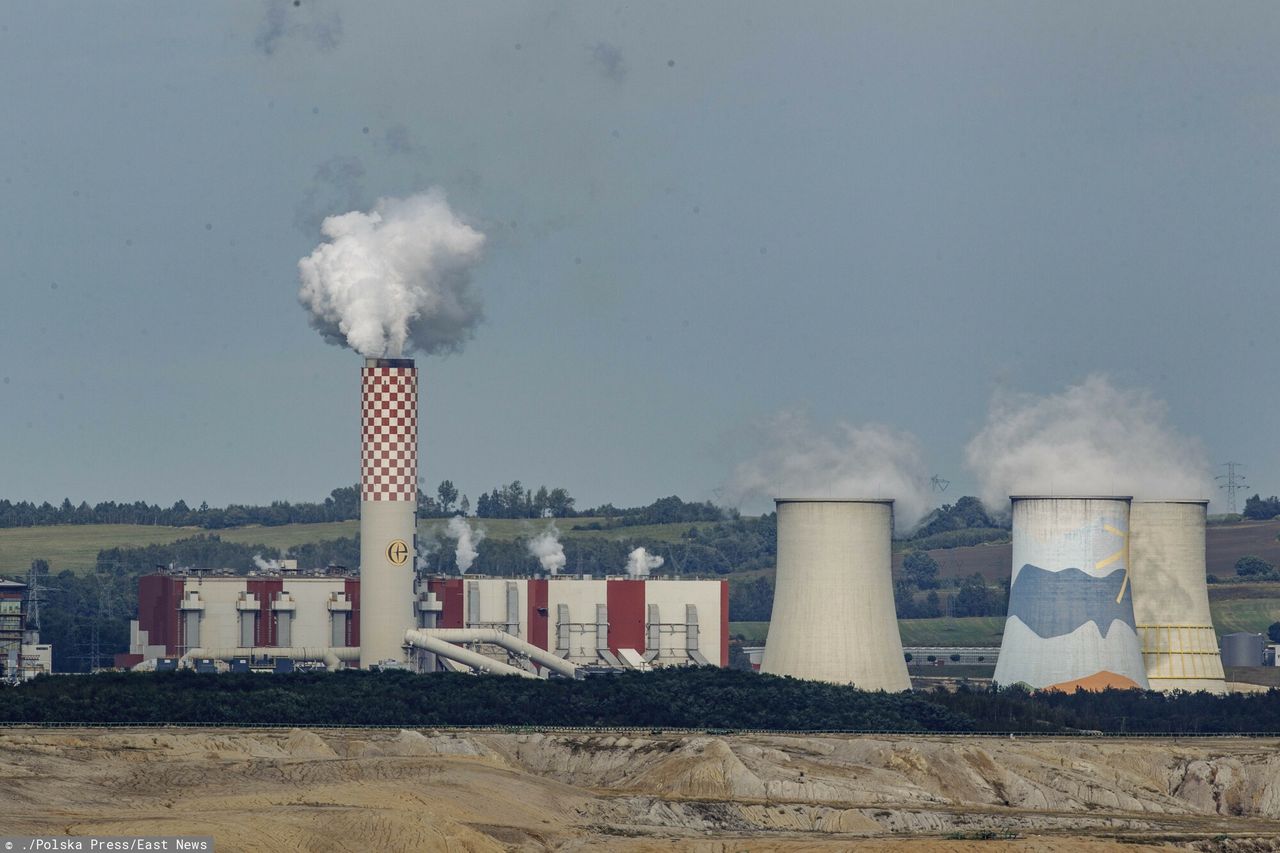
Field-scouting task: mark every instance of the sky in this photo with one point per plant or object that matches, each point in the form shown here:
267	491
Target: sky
697	216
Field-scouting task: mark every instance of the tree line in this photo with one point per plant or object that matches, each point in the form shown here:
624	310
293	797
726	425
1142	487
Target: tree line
699	698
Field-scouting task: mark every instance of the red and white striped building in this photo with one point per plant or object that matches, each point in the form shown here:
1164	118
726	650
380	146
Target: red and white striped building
609	622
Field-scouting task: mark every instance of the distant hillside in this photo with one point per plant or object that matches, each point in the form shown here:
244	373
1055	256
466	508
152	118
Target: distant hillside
1225	543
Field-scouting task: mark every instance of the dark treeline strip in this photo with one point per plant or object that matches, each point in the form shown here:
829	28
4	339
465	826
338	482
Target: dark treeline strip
697	698
676	698
1114	711
342	505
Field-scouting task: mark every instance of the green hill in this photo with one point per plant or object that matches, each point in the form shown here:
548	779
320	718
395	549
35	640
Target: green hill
76	546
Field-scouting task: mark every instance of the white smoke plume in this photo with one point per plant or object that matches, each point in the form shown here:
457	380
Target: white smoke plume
468	541
547	548
394	280
426	547
640	562
1090	439
870	461
266	565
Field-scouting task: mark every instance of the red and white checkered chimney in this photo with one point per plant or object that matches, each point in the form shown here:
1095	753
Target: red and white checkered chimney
388	506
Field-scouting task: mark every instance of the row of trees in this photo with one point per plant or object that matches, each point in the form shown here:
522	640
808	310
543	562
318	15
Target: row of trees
699	698
1262	509
342	504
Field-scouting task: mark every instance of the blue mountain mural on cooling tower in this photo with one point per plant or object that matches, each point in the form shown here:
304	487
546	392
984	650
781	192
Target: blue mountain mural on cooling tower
1056	603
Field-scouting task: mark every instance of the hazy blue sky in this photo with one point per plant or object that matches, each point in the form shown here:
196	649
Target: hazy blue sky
697	215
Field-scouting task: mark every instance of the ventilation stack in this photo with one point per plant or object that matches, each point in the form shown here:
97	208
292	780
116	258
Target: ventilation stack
833	616
1070	618
1170	596
388	506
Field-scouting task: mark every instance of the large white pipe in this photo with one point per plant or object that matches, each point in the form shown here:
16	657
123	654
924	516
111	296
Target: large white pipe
1170	598
388	506
425	641
542	657
510	642
833	617
333	657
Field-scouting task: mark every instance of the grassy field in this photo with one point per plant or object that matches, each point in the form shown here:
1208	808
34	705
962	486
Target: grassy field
1245	614
76	546
1230	615
977	631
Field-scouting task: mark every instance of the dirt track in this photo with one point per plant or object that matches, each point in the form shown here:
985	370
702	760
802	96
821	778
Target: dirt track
366	791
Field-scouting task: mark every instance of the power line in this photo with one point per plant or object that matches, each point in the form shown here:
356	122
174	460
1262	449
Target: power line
1233	482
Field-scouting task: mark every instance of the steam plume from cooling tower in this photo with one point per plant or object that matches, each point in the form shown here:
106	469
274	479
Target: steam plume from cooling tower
547	548
468	541
1092	438
395	279
869	461
640	562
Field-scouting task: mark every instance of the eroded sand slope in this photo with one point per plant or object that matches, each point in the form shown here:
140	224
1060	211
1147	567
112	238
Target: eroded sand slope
408	790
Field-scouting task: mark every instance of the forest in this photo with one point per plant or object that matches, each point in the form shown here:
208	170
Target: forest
699	698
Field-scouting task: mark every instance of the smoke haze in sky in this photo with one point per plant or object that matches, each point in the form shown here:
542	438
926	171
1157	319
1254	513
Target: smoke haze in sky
849	462
1093	438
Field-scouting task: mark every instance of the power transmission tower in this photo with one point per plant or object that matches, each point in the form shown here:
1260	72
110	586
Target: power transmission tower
34	588
1233	482
939	484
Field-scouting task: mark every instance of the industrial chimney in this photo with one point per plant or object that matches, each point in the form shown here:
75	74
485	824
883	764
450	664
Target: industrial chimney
833	616
1070	618
1170	596
388	506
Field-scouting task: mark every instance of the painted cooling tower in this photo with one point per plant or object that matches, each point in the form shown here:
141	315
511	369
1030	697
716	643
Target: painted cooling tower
388	506
833	617
1170	598
1070	601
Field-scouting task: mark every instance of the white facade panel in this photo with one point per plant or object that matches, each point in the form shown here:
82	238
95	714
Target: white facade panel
672	598
582	597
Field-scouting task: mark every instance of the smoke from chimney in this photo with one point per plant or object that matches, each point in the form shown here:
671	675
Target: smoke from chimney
1092	438
870	461
395	279
266	565
468	541
547	548
640	562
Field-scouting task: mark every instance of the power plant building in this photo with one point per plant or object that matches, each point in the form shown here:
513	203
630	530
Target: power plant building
615	623
1171	598
833	614
1071	619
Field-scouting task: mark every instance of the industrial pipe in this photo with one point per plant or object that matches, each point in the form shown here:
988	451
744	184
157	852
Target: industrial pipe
333	657
510	642
425	641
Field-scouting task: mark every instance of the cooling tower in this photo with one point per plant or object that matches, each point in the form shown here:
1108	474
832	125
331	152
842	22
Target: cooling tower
1070	601
388	506
1170	598
833	617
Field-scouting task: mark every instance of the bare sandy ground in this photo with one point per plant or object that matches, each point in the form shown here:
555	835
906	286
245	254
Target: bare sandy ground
459	791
